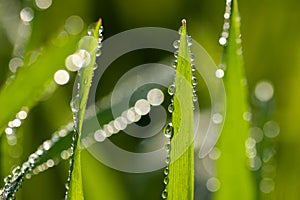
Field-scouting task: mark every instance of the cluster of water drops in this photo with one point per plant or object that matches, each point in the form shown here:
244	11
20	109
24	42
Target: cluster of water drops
26	15
226	25
260	146
31	167
10	130
155	97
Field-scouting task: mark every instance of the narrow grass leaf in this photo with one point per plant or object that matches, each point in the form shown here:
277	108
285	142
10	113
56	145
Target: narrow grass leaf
232	171
79	102
181	170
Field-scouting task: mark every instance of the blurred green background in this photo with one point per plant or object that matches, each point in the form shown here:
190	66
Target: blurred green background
270	32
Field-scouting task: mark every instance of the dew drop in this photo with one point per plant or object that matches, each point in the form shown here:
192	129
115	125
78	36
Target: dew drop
176	44
155	97
194	81
189	40
266	185
171	89
131	115
171	107
142	107
167	160
222	41
95	66
166	180
81	58
192	57
61	77
43	4
176	53
75	103
164	194
219	73
213	184
47	145
271	129
26	14
9	131
120	123
98	52
195	97
247	116
168	147
166	171
22	115
70	65
168	130
264	91
257	134
99	135
88	43
74	25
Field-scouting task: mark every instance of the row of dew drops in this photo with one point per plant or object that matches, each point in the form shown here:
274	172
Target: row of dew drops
168	129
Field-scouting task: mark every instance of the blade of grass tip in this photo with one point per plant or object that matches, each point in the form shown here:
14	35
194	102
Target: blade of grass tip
232	171
83	82
181	169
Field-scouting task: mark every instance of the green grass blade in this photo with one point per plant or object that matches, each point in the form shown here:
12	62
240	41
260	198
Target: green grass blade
181	175
232	171
75	191
32	80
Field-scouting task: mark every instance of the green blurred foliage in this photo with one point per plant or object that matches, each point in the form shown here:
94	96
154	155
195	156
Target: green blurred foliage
271	32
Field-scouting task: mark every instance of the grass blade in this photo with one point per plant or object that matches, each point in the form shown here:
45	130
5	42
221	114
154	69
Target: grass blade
79	102
235	178
181	174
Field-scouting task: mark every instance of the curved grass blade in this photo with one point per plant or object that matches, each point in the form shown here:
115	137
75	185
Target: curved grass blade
181	170
79	102
235	177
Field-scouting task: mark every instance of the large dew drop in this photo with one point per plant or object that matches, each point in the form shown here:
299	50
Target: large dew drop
81	58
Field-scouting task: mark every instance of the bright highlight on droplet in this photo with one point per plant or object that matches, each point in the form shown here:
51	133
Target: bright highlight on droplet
120	123
81	58
271	129
142	107
99	135
74	25
219	73
70	65
26	14
222	41
61	77
213	184
22	115
43	4
155	97
264	91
